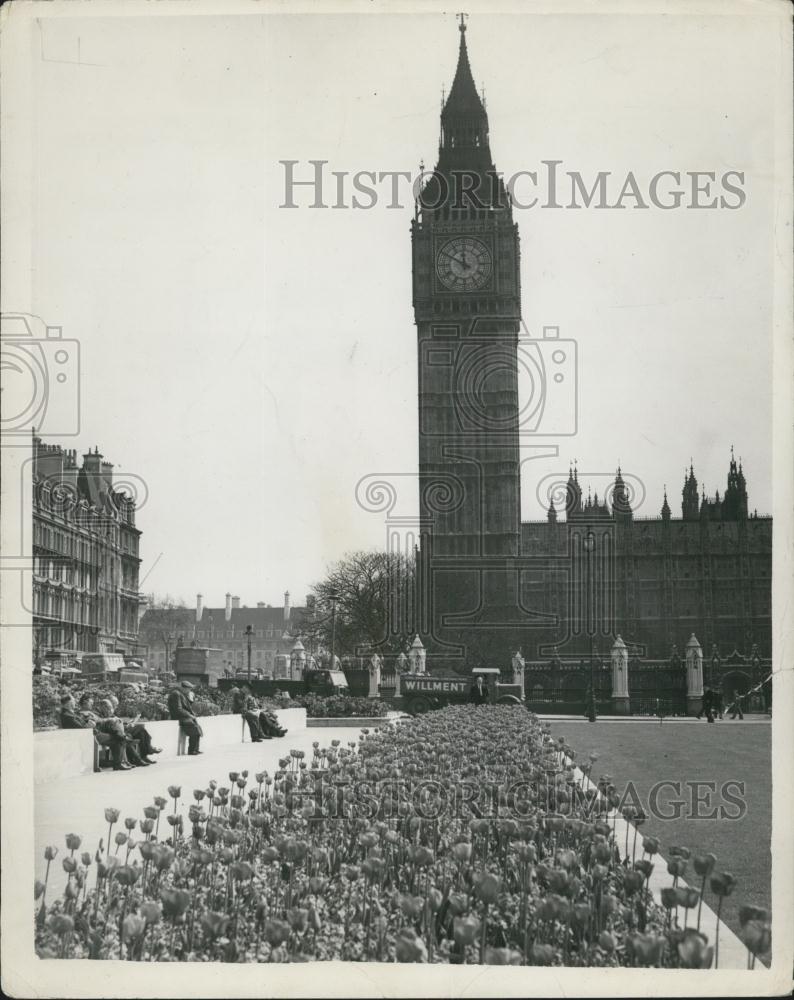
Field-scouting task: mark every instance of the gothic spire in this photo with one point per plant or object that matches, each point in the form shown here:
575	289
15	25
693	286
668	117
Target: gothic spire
463	98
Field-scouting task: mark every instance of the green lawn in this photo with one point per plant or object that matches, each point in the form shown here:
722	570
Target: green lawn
646	753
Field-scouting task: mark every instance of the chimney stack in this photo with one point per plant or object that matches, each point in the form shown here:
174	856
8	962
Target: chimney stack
228	606
235	603
199	607
286	606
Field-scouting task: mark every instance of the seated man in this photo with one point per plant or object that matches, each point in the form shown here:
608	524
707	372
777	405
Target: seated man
107	732
240	705
136	754
137	730
268	722
180	707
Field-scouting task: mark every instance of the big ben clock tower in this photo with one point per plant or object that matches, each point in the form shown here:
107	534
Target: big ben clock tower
466	298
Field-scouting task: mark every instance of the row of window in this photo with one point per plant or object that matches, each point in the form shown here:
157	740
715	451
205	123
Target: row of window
268	633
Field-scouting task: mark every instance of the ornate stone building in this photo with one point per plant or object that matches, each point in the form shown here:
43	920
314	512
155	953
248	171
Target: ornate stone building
656	580
85	555
486	583
275	633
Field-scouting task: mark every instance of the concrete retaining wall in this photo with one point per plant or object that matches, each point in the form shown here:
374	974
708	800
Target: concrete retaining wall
66	753
62	753
355	722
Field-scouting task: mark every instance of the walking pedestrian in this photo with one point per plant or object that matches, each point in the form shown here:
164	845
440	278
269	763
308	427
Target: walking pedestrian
706	705
736	707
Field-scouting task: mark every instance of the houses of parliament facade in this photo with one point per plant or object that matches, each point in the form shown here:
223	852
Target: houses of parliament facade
487	583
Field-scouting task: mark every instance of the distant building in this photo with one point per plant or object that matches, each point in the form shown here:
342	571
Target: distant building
276	632
708	572
85	556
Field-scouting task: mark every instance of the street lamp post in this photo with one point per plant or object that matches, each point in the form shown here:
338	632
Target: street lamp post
589	546
333	596
248	633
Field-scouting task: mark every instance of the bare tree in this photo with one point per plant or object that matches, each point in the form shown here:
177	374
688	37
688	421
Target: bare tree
365	601
166	623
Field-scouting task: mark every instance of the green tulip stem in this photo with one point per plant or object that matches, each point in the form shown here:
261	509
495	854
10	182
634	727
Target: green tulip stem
717	934
110	827
483	934
700	904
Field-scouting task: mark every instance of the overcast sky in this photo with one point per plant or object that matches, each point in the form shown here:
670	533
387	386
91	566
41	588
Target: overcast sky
252	363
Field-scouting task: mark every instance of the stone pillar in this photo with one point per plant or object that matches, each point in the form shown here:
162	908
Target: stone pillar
297	660
417	656
281	667
400	666
620	677
694	676
518	665
374	676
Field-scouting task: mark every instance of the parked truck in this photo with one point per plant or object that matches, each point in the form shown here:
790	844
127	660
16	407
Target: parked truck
423	692
199	665
100	668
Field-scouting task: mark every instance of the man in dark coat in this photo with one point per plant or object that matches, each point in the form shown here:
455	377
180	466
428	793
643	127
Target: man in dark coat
706	705
180	707
134	730
478	695
736	707
240	705
107	732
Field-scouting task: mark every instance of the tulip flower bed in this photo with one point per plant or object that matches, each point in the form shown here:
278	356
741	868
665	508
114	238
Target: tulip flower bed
375	851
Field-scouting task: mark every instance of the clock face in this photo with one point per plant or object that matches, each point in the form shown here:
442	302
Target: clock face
464	264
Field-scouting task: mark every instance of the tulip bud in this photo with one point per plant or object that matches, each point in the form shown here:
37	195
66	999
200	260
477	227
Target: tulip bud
73	841
541	954
151	912
694	950
276	932
722	884
111	815
488	887
132	928
606	941
69	865
461	851
50	852
409	947
704	864
757	936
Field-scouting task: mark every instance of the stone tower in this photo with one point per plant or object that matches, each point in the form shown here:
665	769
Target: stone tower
466	298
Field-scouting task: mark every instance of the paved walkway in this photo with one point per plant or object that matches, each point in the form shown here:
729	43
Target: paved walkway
77	805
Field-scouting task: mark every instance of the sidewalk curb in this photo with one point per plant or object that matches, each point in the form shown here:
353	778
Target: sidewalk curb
733	954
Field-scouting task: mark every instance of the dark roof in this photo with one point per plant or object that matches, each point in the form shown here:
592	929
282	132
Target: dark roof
251	616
